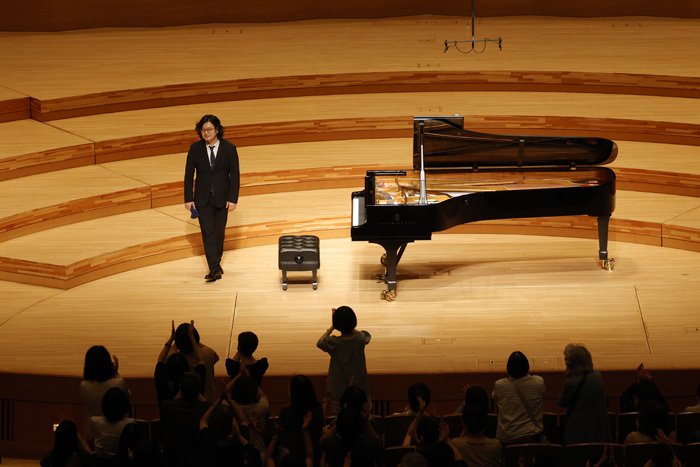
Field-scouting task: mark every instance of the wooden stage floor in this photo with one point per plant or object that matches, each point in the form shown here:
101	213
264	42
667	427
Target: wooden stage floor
465	302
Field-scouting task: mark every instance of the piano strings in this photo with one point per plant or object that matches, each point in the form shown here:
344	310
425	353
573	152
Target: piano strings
406	191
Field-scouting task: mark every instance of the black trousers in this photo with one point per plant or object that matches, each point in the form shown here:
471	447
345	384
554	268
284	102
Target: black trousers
212	223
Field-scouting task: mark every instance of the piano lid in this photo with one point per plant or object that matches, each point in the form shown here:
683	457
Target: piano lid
446	144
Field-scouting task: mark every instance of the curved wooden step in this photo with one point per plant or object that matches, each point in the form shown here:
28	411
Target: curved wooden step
18	163
363	83
135	184
71	255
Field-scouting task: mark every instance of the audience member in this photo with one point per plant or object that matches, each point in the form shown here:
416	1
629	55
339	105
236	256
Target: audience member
180	419
364	450
207	356
247	344
302	403
434	443
432	439
276	455
415	391
135	449
230	432
106	429
475	447
69	449
584	398
100	373
651	421
477	395
171	366
347	351
354	397
248	398
641	390
222	438
520	402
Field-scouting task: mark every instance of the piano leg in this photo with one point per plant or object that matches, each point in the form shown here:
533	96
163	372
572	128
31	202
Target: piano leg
605	262
390	260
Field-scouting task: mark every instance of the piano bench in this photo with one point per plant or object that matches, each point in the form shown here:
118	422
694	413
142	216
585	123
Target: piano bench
298	253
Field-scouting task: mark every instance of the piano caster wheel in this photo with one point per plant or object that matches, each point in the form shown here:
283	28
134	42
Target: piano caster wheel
388	295
607	264
383	259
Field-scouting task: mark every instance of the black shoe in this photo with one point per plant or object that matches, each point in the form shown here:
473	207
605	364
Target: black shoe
212	276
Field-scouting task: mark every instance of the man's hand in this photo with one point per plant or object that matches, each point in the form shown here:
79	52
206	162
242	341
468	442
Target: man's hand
231	206
189	205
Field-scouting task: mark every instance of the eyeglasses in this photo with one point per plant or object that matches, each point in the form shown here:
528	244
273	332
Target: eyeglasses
208	130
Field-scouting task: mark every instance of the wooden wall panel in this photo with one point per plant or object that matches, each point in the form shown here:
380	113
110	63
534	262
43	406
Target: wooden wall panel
49	15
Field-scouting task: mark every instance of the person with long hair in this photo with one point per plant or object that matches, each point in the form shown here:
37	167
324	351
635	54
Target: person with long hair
302	401
100	373
68	448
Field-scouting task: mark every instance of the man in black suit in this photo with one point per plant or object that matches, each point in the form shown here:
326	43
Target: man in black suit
215	161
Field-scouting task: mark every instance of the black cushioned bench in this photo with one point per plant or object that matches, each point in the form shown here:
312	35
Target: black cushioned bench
298	253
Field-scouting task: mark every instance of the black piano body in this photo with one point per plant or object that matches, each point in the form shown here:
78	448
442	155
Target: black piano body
476	176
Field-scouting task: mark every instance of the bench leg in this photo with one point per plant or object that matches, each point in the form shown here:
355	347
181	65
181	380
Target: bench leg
284	279
315	281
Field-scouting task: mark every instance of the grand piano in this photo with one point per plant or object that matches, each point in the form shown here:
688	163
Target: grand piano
475	176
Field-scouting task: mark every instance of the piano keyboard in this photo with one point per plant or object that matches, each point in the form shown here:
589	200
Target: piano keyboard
359	213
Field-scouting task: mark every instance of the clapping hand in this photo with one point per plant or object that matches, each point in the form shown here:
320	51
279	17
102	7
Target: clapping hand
307	420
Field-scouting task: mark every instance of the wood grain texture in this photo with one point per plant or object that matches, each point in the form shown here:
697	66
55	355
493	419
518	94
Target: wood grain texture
346	129
104	261
138	184
44	149
13	105
391	127
532	291
363	83
616	50
74	255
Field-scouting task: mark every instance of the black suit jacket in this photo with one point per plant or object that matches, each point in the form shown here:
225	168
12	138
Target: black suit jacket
225	177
